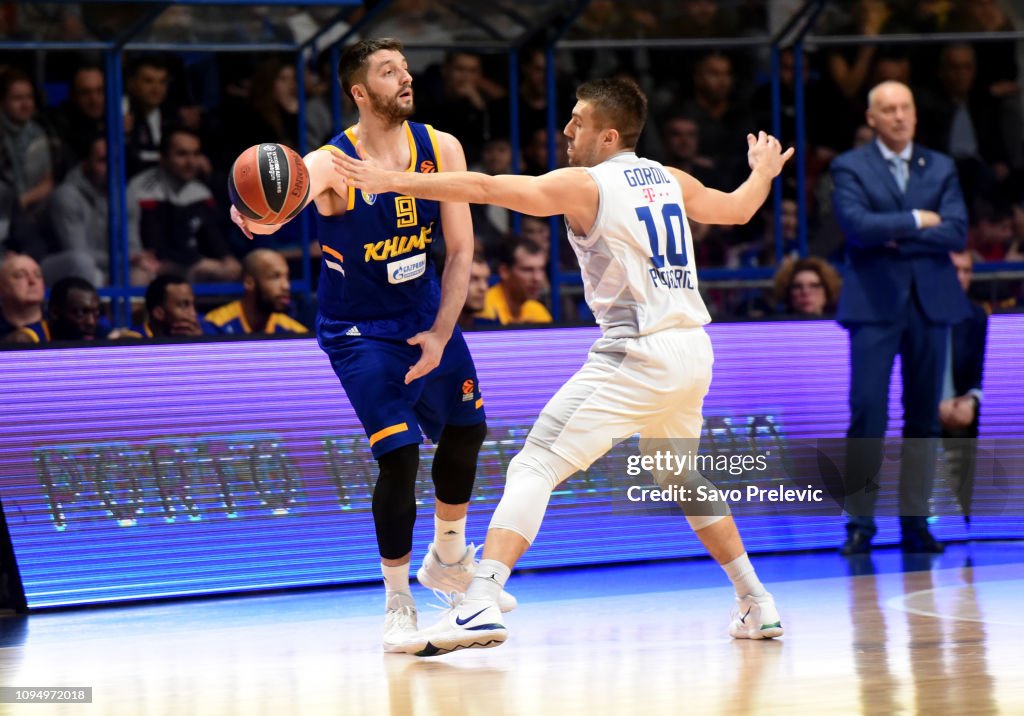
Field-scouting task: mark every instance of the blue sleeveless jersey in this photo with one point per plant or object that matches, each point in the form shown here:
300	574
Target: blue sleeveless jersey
377	278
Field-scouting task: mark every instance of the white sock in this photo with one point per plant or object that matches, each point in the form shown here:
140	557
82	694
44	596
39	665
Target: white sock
449	539
396	579
744	578
489	580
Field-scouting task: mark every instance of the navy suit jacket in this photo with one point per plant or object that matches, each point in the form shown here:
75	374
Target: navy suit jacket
887	255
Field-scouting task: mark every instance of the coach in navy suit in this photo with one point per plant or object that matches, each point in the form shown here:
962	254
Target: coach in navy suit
902	212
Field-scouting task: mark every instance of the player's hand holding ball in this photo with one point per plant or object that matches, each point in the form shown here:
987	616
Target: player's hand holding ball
268	184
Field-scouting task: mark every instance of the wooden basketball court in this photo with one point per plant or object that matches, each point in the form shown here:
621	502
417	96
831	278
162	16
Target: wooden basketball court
880	635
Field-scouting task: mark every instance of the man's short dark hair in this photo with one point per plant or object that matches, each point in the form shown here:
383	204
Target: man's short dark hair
353	64
63	288
167	139
156	292
619	104
11	77
708	56
85	67
451	55
254	260
154	61
673	118
509	249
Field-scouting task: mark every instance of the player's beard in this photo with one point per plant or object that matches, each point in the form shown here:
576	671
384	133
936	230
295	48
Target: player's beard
266	304
389	108
581	156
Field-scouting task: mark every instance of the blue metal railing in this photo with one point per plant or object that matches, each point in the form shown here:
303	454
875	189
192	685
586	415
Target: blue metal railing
808	17
513	117
558	278
797	26
117	218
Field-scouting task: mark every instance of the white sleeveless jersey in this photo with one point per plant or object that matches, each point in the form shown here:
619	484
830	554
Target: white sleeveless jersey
639	274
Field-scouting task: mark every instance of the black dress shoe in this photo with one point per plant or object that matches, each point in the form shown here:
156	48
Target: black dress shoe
920	542
858	542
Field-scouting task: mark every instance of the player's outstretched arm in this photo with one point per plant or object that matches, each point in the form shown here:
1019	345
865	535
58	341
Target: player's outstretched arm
322	179
568	191
710	206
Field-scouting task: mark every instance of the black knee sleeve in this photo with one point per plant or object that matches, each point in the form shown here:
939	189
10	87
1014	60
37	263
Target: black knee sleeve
455	462
394	501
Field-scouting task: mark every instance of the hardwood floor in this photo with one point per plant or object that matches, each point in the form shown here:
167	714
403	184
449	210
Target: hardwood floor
882	635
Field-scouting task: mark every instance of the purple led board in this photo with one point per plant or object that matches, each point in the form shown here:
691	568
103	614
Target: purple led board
143	471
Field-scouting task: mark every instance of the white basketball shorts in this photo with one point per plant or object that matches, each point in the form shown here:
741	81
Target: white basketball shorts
653	385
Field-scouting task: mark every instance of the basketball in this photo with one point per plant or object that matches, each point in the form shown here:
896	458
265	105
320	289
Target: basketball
268	183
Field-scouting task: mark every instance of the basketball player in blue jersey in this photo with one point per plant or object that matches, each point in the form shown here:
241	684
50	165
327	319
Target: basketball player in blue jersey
170	311
648	373
389	327
266	296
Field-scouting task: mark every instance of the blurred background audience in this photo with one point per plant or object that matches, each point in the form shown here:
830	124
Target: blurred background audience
187	115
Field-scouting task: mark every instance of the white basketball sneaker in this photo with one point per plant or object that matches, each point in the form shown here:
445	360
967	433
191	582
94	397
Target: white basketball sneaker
467	624
400	628
455	578
755	618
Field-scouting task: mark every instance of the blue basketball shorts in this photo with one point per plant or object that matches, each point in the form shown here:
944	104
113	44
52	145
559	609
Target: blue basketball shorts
393	414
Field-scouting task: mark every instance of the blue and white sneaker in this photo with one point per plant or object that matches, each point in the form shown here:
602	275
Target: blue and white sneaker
755	618
400	627
467	624
455	578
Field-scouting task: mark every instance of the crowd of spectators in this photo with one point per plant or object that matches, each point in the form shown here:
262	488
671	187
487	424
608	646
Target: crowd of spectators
74	311
187	116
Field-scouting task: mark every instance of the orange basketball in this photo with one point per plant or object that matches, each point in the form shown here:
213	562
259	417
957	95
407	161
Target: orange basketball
268	183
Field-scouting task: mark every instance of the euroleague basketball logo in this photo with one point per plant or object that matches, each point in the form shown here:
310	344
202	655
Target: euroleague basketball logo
427	167
467	390
274	167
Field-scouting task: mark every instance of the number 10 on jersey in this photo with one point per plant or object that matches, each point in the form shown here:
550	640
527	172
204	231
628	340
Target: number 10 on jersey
668	241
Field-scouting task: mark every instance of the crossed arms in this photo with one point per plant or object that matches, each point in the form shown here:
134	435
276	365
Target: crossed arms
942	230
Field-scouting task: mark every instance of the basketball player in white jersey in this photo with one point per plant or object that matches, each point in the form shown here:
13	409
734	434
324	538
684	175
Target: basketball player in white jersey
651	368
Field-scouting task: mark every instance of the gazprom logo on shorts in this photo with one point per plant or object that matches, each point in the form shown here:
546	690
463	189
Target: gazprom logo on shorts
407	269
368	198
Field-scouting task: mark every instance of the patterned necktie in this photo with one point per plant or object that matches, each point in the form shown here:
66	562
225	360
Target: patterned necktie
899	172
